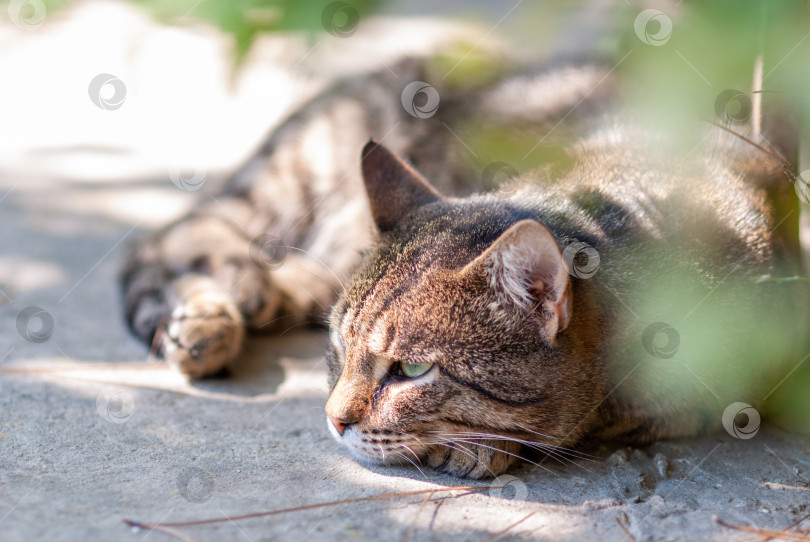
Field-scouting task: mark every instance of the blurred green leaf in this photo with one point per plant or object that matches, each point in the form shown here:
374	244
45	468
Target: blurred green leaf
245	20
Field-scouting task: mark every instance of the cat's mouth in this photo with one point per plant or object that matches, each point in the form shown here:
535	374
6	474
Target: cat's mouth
382	446
475	459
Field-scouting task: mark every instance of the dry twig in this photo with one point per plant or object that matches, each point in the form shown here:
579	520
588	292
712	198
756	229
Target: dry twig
623	522
769	534
416	516
501	533
162	526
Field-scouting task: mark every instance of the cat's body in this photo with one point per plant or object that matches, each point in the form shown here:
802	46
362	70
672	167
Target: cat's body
303	191
475	325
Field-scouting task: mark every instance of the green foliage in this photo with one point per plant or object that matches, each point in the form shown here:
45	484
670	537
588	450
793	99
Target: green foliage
712	47
246	19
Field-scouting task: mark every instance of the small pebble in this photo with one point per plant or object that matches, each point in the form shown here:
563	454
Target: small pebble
662	464
619	457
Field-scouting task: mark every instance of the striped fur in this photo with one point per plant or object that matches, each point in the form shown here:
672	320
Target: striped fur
507	377
527	353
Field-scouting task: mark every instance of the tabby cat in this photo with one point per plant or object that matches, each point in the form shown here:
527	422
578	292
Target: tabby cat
610	292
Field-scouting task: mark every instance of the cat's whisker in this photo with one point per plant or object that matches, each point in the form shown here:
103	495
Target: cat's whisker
552	451
416	457
325	266
537	445
409	460
456	440
560	458
566	452
416	438
463	450
411	435
576	453
299	324
544	435
498	450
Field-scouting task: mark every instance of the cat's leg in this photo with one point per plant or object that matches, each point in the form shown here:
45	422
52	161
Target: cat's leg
192	289
195	289
204	331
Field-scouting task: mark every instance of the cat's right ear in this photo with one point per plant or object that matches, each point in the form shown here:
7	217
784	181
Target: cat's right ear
527	270
394	188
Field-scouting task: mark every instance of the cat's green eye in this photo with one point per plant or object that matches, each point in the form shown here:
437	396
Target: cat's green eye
412	370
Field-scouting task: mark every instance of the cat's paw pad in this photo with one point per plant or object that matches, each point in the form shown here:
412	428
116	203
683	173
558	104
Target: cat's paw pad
204	335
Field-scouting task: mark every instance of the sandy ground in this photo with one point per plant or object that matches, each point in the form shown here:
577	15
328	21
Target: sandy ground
92	433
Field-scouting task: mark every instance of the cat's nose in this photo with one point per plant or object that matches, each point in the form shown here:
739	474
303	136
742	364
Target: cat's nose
345	405
339	425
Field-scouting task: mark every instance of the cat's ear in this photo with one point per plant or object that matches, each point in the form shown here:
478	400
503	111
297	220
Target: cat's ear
526	268
394	188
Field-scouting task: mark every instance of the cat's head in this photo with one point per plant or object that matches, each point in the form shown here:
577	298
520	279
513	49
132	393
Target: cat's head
454	344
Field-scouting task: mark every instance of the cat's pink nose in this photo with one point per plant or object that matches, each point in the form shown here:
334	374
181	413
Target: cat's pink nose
339	425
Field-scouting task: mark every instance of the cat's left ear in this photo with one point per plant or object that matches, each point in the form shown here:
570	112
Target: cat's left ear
526	268
394	188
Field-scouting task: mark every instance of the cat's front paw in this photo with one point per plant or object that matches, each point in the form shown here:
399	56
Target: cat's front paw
204	334
474	459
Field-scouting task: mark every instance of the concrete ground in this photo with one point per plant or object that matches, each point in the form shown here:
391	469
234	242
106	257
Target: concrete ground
92	432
